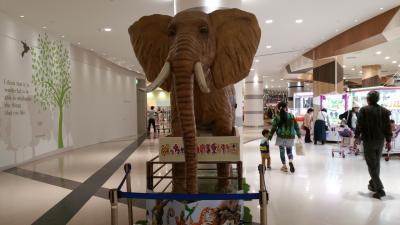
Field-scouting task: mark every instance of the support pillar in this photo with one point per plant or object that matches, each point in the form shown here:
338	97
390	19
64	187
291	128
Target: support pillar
294	87
328	76
371	75
253	101
239	88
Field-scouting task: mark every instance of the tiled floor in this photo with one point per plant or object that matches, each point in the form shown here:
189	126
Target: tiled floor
323	190
23	200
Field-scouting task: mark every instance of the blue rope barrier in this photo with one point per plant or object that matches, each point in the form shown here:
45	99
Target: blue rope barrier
123	181
173	196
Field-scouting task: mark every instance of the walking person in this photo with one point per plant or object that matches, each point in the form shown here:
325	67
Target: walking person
373	129
321	125
151	115
286	128
351	117
264	149
308	120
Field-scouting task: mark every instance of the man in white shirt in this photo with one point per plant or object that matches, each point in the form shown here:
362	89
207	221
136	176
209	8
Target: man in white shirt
151	115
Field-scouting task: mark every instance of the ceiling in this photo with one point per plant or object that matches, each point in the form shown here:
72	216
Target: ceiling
389	59
81	21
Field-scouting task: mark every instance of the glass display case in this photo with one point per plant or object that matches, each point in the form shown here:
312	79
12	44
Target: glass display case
389	98
301	102
335	104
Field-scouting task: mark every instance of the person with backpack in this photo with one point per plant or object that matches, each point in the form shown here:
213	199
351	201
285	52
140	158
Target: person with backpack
264	149
286	128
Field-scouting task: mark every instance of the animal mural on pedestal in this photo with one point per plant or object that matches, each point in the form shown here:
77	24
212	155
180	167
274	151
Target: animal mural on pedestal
197	57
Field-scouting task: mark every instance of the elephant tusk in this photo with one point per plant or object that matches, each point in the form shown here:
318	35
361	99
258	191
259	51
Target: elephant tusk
162	76
201	80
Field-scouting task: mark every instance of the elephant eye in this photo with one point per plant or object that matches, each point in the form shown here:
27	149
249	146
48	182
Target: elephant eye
171	32
204	30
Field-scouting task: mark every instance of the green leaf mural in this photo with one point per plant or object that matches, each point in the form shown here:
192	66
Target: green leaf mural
52	78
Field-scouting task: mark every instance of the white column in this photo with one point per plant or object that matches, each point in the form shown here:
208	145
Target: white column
253	101
239	88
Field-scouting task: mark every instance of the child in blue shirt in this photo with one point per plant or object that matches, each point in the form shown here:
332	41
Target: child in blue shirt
264	149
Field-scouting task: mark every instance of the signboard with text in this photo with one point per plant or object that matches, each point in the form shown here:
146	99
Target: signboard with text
210	148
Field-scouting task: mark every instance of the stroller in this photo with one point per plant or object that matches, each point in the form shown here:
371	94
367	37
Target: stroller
346	135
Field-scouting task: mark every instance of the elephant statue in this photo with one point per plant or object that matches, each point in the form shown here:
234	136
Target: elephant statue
197	57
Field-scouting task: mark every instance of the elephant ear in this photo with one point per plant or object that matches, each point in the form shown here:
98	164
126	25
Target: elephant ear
237	39
149	38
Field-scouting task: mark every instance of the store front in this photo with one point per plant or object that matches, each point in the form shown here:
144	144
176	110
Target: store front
160	100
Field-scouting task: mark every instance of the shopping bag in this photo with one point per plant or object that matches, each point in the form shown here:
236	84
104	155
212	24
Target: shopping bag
299	148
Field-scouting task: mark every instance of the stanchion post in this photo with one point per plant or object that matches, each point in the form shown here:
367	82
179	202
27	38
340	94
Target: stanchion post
149	175
263	196
127	169
239	167
113	196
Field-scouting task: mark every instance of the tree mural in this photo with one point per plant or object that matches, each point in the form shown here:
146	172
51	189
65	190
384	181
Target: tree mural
52	78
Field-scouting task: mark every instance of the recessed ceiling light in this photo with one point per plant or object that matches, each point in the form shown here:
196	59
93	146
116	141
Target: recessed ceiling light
344	66
268	46
399	65
353	69
394	61
356	20
387	57
257	60
269	21
378	52
266	86
360	71
78	43
299	21
107	29
21	16
272	80
252	69
279	86
62	36
337	30
381	8
44	27
281	78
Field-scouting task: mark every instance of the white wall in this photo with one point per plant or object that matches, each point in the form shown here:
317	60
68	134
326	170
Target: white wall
103	99
103	105
158	98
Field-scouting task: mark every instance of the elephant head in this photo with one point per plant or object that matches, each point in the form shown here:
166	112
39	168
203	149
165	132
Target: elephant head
175	51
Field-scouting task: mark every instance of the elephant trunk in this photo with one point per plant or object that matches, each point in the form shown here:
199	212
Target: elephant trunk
183	56
184	82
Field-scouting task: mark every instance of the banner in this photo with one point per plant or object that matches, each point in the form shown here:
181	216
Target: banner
160	212
210	148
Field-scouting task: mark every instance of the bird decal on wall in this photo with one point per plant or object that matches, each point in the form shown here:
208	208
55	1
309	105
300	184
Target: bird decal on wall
26	48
